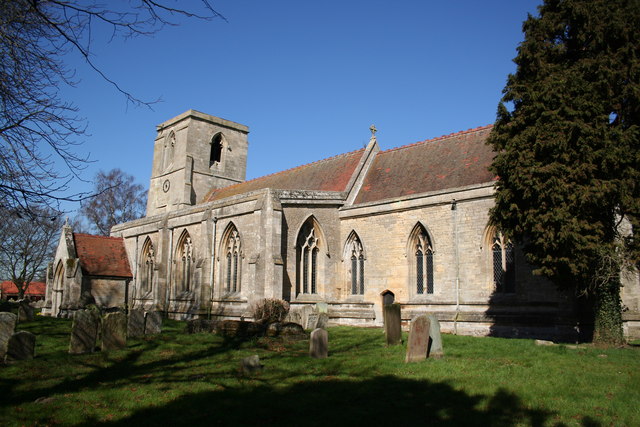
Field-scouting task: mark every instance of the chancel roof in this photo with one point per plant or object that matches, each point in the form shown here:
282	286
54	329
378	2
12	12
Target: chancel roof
102	256
332	174
450	161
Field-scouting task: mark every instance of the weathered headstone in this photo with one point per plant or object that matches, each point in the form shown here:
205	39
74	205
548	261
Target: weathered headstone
251	364
323	321
435	338
305	310
392	325
21	346
319	344
153	323
84	332
312	321
25	312
7	328
294	316
322	307
135	324
418	339
114	331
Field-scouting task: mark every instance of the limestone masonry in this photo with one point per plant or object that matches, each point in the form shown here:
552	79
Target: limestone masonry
357	231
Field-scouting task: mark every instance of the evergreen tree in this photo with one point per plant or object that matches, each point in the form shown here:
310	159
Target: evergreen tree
567	136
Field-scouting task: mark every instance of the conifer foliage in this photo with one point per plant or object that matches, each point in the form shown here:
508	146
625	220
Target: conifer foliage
568	141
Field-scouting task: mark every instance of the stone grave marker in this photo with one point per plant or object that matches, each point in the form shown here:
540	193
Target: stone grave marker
135	324
21	346
319	344
84	332
294	316
435	338
418	339
312	321
392	325
251	364
25	312
114	331
7	328
322	307
323	321
153	323
305	310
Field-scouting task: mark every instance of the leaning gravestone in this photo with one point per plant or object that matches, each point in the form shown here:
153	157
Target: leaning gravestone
305	310
418	339
323	321
84	332
319	344
7	328
153	323
21	346
294	316
114	331
435	338
135	324
312	321
392	326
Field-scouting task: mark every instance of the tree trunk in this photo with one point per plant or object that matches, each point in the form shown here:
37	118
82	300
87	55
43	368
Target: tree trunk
608	315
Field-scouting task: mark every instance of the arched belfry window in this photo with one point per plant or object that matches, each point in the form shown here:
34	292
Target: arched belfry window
184	259
147	263
354	254
421	260
232	259
169	148
504	272
217	144
307	254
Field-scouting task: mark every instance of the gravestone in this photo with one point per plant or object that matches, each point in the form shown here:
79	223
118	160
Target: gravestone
418	339
305	310
322	307
21	346
392	325
251	364
323	321
312	321
25	312
114	331
294	316
435	338
153	323
7	328
84	332
319	344
135	324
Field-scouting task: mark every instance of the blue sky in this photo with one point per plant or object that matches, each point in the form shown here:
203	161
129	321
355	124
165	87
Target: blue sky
308	78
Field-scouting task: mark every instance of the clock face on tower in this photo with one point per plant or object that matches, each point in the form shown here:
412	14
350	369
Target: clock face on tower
166	185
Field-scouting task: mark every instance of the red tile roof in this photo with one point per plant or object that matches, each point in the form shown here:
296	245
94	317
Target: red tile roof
102	256
332	174
449	161
35	288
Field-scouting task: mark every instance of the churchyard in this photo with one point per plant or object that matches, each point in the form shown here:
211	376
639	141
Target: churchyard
175	378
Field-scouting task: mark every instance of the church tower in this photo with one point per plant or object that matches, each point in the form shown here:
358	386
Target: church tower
193	153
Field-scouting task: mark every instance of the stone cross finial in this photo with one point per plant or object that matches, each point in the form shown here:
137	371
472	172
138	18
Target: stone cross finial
373	131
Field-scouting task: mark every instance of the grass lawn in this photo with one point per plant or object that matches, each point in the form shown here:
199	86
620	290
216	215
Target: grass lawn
180	379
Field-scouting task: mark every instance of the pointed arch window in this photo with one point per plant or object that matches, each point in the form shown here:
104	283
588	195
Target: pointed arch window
217	143
422	260
233	259
184	271
504	272
167	154
147	266
307	250
355	254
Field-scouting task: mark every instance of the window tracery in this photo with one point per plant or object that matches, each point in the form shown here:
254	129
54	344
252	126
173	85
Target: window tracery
503	258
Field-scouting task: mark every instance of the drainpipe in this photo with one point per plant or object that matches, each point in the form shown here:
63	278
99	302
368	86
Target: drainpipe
213	258
135	277
454	215
169	271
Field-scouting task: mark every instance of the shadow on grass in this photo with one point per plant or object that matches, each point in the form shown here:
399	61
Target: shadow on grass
384	400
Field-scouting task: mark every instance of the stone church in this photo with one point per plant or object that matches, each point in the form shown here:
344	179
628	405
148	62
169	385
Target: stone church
407	225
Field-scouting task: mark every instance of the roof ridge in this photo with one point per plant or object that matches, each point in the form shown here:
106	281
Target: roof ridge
212	192
440	138
97	235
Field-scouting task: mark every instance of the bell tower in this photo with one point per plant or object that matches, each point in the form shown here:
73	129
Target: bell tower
193	153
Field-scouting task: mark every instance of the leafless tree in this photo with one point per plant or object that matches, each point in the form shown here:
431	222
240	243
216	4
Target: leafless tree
27	242
117	199
39	131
